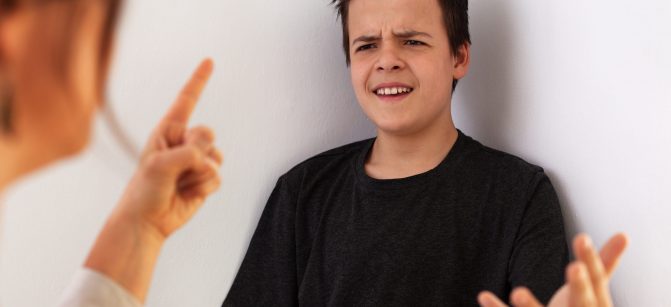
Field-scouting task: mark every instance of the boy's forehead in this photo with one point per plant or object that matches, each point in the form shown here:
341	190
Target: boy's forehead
374	16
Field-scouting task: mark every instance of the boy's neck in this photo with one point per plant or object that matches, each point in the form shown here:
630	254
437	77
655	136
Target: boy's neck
401	156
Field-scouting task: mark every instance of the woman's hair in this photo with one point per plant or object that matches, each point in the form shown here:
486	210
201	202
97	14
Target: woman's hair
52	39
69	19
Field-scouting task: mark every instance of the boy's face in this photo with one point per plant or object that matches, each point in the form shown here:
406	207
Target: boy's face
401	65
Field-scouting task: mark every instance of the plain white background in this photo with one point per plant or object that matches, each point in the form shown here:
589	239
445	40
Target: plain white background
582	88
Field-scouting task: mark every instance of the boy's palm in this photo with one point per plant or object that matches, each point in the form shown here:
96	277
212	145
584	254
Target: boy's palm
587	278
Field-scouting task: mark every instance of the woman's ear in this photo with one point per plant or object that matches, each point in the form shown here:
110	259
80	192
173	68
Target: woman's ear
14	27
6	91
6	28
462	60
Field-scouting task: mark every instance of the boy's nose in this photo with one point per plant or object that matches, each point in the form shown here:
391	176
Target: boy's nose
389	60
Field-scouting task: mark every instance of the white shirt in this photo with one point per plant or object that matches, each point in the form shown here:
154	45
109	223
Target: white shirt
92	289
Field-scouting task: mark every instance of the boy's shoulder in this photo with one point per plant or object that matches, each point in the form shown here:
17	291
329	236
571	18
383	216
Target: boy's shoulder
490	162
341	157
486	153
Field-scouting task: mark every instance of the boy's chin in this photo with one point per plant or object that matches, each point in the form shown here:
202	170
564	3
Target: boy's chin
397	128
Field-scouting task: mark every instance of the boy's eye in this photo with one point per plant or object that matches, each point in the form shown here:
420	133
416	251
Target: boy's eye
365	47
414	42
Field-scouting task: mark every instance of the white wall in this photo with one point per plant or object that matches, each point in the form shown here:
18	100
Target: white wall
582	88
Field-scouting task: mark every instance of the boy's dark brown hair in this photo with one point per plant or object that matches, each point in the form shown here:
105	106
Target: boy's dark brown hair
455	19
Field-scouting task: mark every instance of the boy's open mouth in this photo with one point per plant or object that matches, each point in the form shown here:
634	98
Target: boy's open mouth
393	91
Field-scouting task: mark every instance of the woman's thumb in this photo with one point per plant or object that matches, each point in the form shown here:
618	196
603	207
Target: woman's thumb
177	160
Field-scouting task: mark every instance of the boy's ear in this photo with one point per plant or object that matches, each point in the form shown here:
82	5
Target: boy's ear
462	60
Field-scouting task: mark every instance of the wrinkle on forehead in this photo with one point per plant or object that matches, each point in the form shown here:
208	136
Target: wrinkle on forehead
385	17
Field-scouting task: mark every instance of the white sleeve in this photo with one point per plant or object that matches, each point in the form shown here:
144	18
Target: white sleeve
92	289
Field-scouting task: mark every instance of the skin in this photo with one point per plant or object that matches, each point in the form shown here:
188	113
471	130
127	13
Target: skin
587	278
416	132
45	132
178	170
54	111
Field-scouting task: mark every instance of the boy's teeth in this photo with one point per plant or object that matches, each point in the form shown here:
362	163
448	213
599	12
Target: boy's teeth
393	90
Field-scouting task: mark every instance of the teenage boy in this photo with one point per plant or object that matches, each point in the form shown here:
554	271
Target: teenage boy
421	215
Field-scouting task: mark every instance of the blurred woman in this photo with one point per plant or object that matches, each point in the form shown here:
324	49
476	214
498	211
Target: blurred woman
54	61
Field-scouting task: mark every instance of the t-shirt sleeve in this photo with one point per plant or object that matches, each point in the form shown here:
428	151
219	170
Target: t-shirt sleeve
267	276
92	289
540	253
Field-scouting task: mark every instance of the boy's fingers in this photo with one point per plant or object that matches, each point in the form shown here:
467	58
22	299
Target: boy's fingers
488	299
580	287
181	109
611	253
584	249
522	297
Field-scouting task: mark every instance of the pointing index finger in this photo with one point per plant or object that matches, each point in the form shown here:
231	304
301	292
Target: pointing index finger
181	109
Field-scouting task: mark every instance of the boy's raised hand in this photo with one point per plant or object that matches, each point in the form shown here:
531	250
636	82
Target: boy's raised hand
587	278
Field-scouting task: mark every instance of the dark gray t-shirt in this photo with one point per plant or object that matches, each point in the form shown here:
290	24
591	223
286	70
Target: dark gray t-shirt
332	236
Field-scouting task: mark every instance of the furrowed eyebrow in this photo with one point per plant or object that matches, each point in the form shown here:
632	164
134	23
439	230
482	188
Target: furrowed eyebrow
411	33
402	34
366	39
